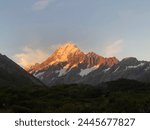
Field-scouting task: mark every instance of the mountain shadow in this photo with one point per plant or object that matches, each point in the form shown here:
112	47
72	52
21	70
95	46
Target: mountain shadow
12	74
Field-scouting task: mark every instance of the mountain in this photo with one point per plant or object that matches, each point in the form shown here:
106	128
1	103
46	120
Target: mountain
128	68
12	74
68	64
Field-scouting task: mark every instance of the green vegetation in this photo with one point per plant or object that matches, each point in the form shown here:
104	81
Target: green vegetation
115	96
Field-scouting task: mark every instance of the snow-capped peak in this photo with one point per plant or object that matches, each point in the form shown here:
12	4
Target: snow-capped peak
69	57
63	52
67	48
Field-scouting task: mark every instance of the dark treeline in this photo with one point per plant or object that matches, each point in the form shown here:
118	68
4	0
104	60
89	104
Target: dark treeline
115	96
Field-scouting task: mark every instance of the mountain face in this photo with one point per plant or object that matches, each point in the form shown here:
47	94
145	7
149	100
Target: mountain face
128	68
12	74
68	64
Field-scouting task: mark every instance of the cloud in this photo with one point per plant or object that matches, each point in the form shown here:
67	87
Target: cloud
114	48
30	56
41	4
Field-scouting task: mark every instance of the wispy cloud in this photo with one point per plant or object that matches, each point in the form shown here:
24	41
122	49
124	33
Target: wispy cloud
41	4
30	56
114	48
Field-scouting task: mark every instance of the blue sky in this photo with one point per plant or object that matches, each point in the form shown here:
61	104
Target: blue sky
34	28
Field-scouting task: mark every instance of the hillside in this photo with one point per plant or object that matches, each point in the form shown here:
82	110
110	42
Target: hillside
116	96
12	74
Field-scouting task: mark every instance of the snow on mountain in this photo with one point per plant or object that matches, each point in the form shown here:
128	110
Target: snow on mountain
86	71
105	70
61	72
148	68
116	70
39	75
62	53
136	66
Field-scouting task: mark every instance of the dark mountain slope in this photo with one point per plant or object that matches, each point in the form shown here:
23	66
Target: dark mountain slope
12	74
